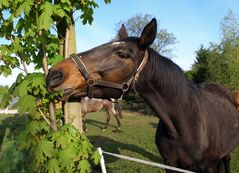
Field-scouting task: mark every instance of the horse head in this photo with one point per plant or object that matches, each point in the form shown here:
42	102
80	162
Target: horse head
109	69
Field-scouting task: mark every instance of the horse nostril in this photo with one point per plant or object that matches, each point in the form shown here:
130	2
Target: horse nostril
55	78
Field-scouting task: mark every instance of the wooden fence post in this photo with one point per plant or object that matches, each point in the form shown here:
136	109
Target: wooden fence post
72	108
73	115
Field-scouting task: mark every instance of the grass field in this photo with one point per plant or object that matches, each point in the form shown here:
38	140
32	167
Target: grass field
135	140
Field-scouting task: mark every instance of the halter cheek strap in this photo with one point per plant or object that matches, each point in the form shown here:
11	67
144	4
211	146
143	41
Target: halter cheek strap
92	81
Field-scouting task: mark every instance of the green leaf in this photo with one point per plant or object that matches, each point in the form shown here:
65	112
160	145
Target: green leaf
66	1
84	166
24	7
26	104
52	166
58	10
34	127
63	141
96	157
67	156
87	16
3	90
38	81
22	89
54	60
86	148
5	70
45	20
17	45
5	100
4	3
43	149
56	134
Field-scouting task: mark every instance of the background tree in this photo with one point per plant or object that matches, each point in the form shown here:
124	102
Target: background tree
229	27
164	40
219	62
199	72
28	28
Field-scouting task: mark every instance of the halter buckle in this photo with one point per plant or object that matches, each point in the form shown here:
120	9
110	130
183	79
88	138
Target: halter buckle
91	82
125	87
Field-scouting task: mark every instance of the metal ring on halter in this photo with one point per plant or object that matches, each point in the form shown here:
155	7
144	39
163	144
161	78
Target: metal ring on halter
125	87
91	81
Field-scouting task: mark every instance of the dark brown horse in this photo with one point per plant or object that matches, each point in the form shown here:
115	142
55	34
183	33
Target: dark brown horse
199	124
94	105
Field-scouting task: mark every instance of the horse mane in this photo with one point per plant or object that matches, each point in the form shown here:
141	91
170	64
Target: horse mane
172	78
174	81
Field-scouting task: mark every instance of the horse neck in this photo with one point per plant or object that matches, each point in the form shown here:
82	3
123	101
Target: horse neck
165	88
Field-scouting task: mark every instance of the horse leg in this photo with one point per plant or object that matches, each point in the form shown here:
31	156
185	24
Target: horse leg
83	122
226	161
118	120
107	120
166	148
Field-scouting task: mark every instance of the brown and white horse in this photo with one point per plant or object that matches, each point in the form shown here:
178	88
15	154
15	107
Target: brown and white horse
94	105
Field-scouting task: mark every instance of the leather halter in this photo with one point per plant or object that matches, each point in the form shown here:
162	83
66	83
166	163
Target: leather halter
92	81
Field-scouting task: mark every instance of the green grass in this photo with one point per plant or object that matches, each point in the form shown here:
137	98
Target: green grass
135	140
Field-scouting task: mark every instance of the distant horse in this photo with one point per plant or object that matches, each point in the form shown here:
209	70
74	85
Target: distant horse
199	124
94	105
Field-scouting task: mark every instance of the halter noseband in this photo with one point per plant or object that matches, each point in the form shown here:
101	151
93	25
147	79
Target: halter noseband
92	81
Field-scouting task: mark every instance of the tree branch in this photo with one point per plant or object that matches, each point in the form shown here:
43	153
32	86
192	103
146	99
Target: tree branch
24	66
44	117
45	69
20	68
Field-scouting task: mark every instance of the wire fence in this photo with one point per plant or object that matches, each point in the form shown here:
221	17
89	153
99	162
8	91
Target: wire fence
103	168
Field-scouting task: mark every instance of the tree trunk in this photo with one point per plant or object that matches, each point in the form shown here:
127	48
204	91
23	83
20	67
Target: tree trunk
45	69
72	108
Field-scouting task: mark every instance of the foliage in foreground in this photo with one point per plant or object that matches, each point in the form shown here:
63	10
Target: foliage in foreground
65	150
30	30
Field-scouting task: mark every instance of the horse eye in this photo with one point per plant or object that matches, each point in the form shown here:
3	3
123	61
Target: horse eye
122	54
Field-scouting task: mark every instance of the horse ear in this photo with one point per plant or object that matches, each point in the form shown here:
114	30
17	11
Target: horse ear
149	33
122	34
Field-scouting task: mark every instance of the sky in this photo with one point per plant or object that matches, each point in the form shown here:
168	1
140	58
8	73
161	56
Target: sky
193	23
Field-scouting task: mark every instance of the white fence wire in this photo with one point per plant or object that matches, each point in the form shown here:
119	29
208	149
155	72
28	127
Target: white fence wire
102	162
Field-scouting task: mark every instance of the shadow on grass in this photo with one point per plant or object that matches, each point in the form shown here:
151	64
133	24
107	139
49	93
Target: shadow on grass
113	146
98	124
